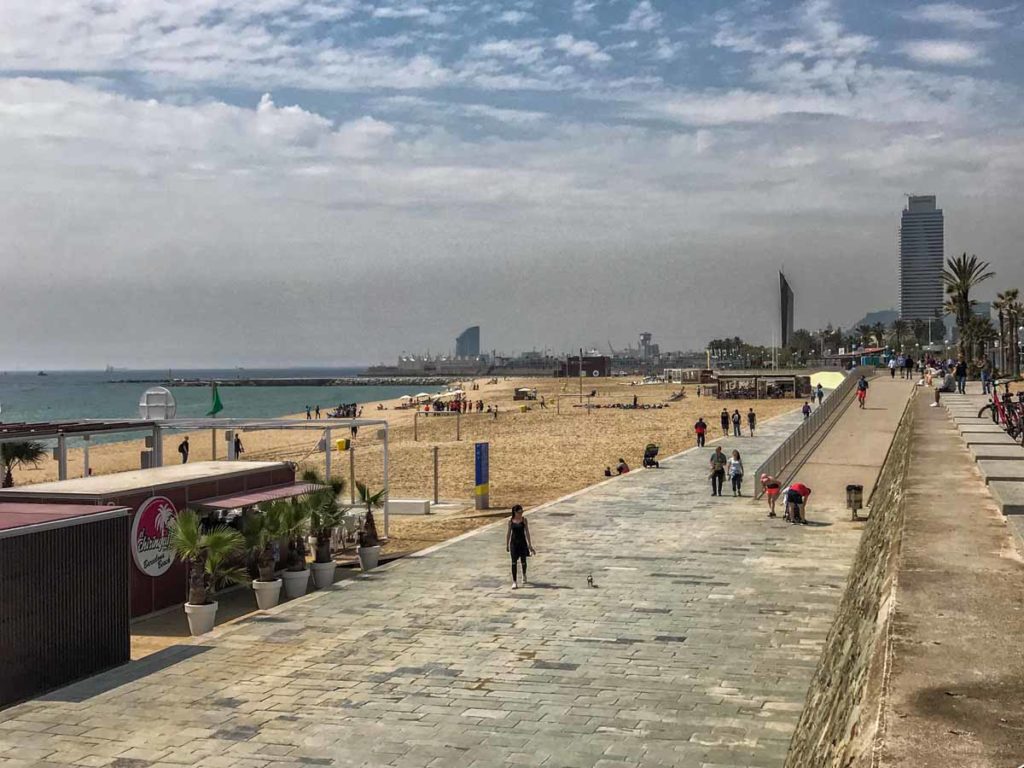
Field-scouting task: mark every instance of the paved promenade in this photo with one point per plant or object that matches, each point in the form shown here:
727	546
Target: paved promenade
694	648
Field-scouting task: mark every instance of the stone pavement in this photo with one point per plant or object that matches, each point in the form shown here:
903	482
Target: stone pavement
694	648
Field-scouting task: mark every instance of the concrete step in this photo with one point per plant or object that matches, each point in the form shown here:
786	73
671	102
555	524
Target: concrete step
1001	469
984	429
1008	495
997	452
992	438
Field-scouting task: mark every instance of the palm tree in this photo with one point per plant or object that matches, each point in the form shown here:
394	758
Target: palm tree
900	328
1001	305
1015	315
863	333
294	525
878	332
14	455
368	535
324	513
208	554
961	276
260	531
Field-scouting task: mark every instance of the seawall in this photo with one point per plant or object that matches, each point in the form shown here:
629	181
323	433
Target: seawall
837	724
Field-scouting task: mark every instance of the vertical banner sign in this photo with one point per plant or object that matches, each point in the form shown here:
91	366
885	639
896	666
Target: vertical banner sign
482	476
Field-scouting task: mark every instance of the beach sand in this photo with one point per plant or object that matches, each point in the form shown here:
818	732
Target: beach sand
535	456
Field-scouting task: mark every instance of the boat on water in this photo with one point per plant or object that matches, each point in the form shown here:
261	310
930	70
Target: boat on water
41	373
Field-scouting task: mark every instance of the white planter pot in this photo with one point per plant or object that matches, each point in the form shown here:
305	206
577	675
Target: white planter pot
268	593
295	583
201	618
323	574
368	557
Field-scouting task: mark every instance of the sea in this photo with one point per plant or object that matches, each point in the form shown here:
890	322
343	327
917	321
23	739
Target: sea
69	395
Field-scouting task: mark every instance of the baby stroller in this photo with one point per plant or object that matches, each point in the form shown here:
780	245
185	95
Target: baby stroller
650	455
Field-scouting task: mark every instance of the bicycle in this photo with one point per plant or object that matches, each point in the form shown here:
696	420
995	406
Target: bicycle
1003	410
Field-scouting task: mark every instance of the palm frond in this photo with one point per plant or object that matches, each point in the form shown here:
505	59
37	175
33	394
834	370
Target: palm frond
186	535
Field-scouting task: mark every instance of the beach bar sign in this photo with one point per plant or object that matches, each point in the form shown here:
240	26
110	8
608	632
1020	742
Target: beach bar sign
483	482
151	536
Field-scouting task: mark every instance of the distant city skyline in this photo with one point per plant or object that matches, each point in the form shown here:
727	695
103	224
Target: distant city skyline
306	183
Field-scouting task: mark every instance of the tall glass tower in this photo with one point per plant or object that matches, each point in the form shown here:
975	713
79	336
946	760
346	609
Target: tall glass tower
921	257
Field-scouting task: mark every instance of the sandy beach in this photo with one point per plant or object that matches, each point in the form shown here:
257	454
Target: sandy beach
536	455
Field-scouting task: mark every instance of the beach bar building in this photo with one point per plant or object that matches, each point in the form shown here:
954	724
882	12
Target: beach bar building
64	575
762	386
153	497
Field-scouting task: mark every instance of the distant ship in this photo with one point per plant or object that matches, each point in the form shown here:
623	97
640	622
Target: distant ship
41	373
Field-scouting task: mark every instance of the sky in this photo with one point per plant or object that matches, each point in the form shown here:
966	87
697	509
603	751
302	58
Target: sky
260	182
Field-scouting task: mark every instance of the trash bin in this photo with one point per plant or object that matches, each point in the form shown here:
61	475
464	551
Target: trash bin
854	499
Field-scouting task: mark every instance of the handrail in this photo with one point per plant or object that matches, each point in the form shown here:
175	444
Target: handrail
793	444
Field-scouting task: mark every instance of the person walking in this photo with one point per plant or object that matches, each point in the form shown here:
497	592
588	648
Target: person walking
820	392
908	367
751	421
736	421
518	542
725	422
239	450
806	410
700	428
318	412
736	473
718	462
183	450
309	413
771	491
892	367
961	376
862	391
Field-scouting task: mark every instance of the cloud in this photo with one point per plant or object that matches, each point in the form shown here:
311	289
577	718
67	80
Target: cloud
586	49
950	52
954	15
514	17
583	10
642	18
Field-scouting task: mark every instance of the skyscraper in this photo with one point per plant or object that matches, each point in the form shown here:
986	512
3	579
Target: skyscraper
921	255
786	306
467	344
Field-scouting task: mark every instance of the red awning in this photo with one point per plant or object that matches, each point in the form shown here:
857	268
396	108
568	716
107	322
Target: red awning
259	496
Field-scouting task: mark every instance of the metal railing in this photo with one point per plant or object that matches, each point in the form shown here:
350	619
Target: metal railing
792	445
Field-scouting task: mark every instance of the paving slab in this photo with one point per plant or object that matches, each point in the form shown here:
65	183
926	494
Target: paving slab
1001	469
999	452
1009	496
990	438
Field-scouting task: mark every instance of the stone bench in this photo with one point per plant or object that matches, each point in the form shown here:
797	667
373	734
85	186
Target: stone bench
1001	469
972	439
1000	452
981	428
408	506
1009	496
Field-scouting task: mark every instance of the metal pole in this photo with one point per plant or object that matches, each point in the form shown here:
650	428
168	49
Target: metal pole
158	447
458	425
327	454
351	473
213	437
416	426
85	456
581	375
435	475
386	482
62	457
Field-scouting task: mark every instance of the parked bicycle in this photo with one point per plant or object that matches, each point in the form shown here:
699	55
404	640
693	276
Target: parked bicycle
1005	412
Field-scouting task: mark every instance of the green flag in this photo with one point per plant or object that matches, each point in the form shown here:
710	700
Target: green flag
217	406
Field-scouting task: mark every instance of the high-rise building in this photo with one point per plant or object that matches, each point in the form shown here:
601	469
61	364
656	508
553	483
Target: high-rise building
786	305
921	256
467	344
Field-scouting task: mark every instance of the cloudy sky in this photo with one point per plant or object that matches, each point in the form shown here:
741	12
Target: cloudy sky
334	181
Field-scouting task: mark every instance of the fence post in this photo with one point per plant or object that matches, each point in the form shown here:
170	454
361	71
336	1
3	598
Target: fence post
435	475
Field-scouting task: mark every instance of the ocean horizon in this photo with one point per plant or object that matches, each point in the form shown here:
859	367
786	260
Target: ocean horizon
67	395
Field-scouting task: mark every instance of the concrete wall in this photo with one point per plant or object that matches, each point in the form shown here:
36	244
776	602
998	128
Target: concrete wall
839	719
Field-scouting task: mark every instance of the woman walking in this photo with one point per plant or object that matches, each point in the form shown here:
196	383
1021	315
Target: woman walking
736	473
771	488
517	542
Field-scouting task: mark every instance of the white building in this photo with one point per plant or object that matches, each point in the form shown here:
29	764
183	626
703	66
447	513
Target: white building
921	259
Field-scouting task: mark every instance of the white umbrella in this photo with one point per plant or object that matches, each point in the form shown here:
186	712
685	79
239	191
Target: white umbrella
421	395
405	397
456	392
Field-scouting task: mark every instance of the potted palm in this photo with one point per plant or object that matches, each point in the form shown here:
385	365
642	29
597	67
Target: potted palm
368	547
294	524
324	516
209	555
261	530
14	455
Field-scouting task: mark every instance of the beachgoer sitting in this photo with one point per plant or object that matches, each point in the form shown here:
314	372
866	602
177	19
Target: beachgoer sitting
607	471
622	467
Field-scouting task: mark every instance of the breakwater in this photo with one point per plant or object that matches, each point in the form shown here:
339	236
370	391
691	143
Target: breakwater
344	381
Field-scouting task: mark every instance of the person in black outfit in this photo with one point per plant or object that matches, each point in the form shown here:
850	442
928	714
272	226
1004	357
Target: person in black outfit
183	450
725	421
517	542
239	450
751	421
